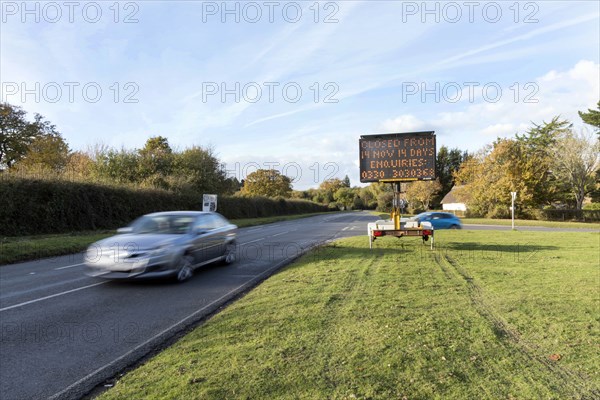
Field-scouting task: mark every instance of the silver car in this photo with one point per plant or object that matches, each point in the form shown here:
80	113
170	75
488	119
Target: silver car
165	244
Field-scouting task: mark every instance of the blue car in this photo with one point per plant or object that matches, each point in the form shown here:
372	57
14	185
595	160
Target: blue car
439	220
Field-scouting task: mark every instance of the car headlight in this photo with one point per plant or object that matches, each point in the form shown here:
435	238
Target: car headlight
93	253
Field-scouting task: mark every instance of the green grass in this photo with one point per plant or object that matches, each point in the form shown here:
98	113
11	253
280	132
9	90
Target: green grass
479	318
16	249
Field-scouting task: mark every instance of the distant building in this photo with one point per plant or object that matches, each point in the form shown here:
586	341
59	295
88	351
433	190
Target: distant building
451	203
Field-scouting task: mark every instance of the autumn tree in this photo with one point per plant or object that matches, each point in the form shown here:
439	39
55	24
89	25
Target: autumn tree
489	176
79	166
575	160
328	188
267	182
420	193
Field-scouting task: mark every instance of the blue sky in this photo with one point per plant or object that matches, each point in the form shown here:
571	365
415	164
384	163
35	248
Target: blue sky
362	67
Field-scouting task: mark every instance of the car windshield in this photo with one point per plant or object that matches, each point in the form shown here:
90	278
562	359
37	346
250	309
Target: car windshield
163	224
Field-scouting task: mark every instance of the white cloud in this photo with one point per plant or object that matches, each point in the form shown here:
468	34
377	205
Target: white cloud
403	123
557	92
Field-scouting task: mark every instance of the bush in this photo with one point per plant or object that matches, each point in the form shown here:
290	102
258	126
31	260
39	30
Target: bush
592	206
30	207
499	212
569	215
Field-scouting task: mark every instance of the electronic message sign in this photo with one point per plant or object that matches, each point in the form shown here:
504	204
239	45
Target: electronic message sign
397	157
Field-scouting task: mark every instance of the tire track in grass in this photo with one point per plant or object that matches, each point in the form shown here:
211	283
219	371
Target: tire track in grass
337	305
577	382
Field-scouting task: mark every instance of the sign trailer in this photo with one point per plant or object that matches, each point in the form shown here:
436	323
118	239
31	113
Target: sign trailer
395	158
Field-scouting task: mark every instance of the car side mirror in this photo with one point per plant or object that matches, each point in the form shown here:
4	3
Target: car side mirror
126	229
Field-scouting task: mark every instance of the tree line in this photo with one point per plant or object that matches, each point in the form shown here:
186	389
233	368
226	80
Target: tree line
37	150
550	165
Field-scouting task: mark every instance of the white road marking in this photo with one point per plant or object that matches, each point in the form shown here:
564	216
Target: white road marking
345	228
50	297
354	227
253	241
62	392
69	266
281	233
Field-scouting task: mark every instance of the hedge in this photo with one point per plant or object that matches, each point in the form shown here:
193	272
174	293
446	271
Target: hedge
30	207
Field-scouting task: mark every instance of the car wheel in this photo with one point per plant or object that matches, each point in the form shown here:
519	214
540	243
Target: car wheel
229	255
455	227
184	269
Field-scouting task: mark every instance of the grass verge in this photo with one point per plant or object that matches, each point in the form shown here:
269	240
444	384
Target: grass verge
488	315
16	249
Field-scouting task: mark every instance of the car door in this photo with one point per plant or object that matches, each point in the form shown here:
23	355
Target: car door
437	221
442	221
205	241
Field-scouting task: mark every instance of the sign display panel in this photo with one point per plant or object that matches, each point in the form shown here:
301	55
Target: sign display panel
397	157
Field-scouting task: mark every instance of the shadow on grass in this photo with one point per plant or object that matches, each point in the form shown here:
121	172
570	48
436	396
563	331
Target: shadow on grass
412	250
513	247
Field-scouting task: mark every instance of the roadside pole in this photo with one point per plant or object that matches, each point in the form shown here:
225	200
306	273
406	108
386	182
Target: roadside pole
513	195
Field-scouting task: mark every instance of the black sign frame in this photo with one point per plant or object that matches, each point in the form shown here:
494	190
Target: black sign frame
400	157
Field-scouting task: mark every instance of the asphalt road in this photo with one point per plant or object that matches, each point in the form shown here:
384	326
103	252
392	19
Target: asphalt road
63	333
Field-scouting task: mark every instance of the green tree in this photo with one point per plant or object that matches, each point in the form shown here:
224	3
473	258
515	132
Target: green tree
117	166
17	134
198	170
345	196
45	153
14	134
267	182
369	200
447	162
156	158
346	181
592	117
535	160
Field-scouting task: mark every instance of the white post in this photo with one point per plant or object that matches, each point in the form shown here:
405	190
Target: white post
513	195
